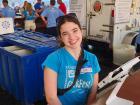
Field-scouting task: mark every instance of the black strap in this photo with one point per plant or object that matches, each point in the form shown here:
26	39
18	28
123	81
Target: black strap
80	63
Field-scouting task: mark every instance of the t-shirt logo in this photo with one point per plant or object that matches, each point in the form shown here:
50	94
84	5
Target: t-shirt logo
86	70
71	73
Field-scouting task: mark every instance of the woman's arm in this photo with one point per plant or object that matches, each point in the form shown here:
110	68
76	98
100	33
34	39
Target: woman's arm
50	85
92	95
36	15
44	20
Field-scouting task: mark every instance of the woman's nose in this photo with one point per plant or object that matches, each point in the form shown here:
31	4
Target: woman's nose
71	36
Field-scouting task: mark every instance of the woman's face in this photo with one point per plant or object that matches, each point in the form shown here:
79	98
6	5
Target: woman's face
25	3
71	35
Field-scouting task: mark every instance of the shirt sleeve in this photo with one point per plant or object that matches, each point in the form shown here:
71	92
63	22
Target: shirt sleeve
3	12
44	13
35	6
96	65
60	13
51	62
24	13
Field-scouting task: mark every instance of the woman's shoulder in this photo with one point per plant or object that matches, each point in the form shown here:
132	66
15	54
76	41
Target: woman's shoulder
89	54
57	52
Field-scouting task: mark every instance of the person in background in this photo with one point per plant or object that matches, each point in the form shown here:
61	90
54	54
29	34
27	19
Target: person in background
30	15
60	67
44	5
24	6
51	13
62	6
17	9
0	12
7	11
39	7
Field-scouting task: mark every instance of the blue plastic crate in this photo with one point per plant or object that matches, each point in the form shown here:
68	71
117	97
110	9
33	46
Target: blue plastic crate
2	43
21	72
29	43
22	75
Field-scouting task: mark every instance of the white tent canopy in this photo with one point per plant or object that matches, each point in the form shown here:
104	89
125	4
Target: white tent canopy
14	3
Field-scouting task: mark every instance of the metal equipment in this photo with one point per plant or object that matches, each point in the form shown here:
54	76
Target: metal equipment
112	84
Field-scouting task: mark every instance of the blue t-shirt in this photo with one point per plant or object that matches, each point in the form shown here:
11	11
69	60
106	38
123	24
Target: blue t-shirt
64	64
38	6
8	12
29	16
52	13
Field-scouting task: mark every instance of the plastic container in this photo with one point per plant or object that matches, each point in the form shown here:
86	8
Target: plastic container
2	43
20	66
123	53
22	74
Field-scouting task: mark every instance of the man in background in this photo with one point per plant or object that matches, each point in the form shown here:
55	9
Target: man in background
51	13
38	7
7	11
62	6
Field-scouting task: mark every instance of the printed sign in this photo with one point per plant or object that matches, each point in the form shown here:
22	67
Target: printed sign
6	26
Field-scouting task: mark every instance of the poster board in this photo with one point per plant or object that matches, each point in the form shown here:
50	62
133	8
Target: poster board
78	7
6	26
122	11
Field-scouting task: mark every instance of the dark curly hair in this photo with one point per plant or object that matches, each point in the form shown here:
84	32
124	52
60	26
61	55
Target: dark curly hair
5	1
71	17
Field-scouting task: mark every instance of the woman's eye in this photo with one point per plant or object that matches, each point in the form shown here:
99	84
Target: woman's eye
75	31
64	34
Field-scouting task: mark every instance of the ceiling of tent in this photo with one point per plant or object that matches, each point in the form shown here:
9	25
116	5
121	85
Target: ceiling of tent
14	3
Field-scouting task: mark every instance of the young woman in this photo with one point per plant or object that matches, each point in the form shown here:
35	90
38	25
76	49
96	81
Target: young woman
30	15
60	67
24	6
